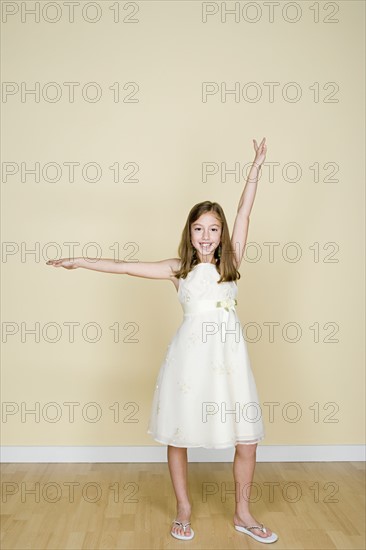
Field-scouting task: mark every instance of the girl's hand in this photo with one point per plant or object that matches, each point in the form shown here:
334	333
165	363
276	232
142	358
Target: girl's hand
63	262
260	151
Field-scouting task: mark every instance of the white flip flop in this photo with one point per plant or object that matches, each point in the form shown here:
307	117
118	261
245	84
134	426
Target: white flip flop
184	527
246	530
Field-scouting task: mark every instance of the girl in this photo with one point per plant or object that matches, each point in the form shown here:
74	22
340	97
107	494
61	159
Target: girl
205	395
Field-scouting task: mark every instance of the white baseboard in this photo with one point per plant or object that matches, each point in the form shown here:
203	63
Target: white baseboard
265	453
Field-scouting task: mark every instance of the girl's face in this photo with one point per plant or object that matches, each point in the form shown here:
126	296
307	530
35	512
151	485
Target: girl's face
205	236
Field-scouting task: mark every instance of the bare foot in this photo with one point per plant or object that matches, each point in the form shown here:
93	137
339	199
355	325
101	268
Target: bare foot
248	520
183	515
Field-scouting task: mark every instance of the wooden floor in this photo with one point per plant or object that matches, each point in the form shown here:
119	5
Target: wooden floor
116	506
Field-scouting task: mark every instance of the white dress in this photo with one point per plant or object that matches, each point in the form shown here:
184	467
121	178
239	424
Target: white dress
205	393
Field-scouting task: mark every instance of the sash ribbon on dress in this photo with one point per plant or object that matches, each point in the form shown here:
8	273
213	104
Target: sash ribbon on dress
208	305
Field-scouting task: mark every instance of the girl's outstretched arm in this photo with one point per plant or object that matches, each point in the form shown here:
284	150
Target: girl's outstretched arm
151	270
241	224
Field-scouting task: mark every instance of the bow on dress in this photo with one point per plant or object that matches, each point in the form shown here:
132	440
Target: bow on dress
227	304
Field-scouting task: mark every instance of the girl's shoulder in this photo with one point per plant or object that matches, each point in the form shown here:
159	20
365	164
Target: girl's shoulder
178	263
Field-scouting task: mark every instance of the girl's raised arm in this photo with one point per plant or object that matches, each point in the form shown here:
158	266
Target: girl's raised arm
150	270
241	224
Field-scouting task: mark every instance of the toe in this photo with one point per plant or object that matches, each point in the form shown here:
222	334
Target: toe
268	533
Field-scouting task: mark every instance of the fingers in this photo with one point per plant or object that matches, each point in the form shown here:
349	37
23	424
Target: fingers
261	145
63	262
55	263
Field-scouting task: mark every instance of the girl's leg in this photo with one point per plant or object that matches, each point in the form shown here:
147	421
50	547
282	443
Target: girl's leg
177	460
243	468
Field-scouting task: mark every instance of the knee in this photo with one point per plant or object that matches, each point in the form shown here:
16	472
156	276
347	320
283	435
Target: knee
246	451
177	450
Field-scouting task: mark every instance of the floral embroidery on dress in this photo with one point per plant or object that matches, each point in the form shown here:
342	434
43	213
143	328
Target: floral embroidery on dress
228	293
222	367
193	339
186	295
170	357
179	435
184	387
207	282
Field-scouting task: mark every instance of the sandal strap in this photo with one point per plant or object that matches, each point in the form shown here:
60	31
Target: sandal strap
260	527
183	525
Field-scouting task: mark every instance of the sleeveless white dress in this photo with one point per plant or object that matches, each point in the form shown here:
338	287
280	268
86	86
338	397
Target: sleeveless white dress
205	393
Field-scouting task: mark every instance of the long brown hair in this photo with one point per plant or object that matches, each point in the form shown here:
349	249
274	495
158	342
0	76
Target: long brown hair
225	261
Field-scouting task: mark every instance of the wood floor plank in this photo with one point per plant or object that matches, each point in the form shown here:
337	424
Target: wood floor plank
116	506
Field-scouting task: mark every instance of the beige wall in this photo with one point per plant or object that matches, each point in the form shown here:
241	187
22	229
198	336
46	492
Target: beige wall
169	133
